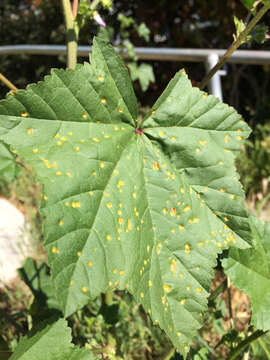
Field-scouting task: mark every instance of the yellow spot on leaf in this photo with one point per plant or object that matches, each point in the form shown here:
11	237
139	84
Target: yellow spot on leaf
96	139
181	227
149	283
84	290
103	100
167	288
55	250
120	110
101	164
108	237
35	151
161	133
141	294
198	149
226	139
188	287
77	148
187	248
172	211
24	114
90	263
68	174
223	190
109	205
187	208
60	223
45	197
182	302
156	166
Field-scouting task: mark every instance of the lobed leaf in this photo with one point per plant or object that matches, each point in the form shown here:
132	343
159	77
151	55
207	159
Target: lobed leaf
250	271
144	207
50	343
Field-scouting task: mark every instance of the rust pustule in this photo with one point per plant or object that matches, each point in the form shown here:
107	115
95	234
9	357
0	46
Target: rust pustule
138	131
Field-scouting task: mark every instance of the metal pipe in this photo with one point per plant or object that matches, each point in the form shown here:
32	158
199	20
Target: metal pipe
158	54
214	84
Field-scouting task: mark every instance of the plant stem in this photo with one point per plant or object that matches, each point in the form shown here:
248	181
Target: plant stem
230	301
109	297
169	354
8	83
234	354
72	35
235	45
94	4
75	9
218	291
251	11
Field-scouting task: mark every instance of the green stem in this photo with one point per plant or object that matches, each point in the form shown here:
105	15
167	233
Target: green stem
94	4
237	351
72	31
109	297
218	291
235	45
168	355
230	302
8	83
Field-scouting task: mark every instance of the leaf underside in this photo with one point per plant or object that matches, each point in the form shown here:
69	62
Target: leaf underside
249	270
145	210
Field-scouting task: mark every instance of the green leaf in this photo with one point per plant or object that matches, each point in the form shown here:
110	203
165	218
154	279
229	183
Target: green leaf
143	72
52	342
248	3
143	31
144	207
36	276
250	271
8	167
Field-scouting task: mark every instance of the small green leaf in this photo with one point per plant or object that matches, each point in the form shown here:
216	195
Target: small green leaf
143	72
250	271
143	31
50	343
248	3
144	207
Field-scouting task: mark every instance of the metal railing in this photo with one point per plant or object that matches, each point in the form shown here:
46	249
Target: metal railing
208	56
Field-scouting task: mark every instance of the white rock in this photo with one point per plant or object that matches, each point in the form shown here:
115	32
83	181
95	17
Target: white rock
15	244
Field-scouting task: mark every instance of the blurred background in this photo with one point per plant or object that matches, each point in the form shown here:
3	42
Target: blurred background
135	23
